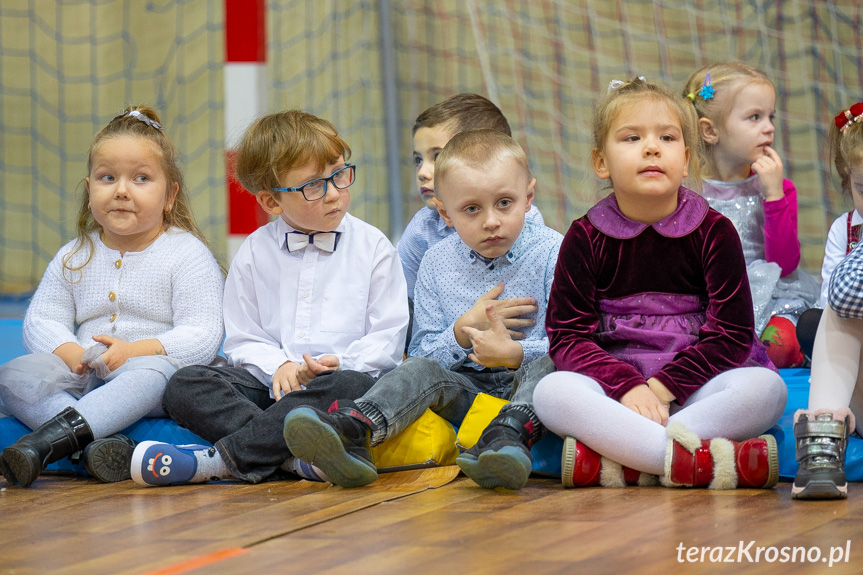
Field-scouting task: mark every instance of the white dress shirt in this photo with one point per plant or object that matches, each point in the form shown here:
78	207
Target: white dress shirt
351	303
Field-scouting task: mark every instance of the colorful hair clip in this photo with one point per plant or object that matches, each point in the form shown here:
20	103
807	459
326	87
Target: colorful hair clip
141	117
706	92
854	114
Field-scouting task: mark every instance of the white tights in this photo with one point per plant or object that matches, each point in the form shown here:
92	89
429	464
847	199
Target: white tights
737	404
108	409
836	379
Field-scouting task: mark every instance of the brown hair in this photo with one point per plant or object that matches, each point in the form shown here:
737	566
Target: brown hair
464	112
726	79
136	122
846	150
639	90
280	142
477	149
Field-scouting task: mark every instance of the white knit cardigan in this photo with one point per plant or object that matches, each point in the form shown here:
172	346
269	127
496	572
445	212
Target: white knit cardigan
170	291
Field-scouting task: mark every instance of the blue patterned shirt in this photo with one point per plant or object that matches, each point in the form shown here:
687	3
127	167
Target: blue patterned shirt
453	277
426	229
846	286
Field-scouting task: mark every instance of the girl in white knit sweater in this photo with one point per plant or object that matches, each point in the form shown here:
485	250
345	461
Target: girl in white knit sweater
136	296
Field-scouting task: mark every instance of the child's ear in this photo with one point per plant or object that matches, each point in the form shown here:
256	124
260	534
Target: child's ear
531	189
172	197
597	159
442	211
686	163
267	201
707	131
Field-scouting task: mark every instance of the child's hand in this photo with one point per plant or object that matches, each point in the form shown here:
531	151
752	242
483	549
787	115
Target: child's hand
494	347
118	351
769	170
71	354
312	368
285	379
510	311
643	401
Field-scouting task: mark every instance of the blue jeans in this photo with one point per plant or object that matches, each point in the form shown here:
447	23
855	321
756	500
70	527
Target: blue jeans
401	396
231	409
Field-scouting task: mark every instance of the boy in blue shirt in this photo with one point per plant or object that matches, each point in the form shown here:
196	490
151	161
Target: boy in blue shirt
431	132
497	268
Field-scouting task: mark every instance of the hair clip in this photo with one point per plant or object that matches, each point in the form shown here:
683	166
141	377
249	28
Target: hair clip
141	117
706	92
844	119
615	84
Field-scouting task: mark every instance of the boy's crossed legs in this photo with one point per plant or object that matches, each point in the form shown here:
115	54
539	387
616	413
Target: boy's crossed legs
232	410
338	441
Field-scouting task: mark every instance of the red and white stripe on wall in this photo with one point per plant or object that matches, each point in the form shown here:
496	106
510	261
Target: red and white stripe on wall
245	99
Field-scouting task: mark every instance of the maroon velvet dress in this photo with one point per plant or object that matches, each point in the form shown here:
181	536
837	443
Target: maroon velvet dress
668	300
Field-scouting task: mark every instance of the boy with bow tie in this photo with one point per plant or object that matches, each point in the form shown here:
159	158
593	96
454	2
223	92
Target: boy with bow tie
315	309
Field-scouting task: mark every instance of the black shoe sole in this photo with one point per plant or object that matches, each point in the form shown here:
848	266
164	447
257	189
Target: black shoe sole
316	442
109	460
816	489
507	467
19	468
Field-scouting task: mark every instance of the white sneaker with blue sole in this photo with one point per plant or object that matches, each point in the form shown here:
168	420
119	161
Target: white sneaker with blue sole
156	464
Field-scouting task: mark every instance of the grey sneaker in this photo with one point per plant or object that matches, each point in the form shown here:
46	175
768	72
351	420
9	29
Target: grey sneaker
821	444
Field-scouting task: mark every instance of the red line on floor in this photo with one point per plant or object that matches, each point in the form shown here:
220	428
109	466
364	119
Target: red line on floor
200	561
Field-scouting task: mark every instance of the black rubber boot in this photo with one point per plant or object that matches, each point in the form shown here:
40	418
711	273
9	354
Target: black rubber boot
110	459
55	439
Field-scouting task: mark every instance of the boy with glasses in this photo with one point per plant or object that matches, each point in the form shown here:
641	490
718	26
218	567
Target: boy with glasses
315	310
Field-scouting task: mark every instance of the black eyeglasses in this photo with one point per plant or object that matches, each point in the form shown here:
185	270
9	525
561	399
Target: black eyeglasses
317	189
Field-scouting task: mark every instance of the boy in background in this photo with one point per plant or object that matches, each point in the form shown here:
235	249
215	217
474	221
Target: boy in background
431	132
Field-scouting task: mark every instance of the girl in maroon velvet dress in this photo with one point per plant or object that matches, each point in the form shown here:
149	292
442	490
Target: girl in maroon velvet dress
650	319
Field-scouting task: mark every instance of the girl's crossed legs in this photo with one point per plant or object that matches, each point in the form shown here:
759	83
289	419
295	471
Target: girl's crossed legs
737	404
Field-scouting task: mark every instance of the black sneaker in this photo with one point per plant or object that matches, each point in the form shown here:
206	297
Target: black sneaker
110	459
821	446
337	442
501	457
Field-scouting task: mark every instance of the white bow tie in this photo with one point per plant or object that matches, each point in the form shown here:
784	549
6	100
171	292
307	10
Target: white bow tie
326	241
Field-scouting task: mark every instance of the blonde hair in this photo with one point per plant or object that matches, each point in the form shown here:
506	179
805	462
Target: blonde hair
135	122
635	92
277	143
477	149
726	79
846	150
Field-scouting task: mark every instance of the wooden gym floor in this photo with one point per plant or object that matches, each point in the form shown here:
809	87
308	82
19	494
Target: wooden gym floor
417	522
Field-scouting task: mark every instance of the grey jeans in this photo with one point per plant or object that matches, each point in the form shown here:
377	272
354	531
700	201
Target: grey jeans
400	397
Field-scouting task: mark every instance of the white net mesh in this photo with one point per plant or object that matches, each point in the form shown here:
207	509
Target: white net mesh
69	66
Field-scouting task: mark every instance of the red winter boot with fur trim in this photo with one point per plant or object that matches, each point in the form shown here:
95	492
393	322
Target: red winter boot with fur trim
583	467
719	463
